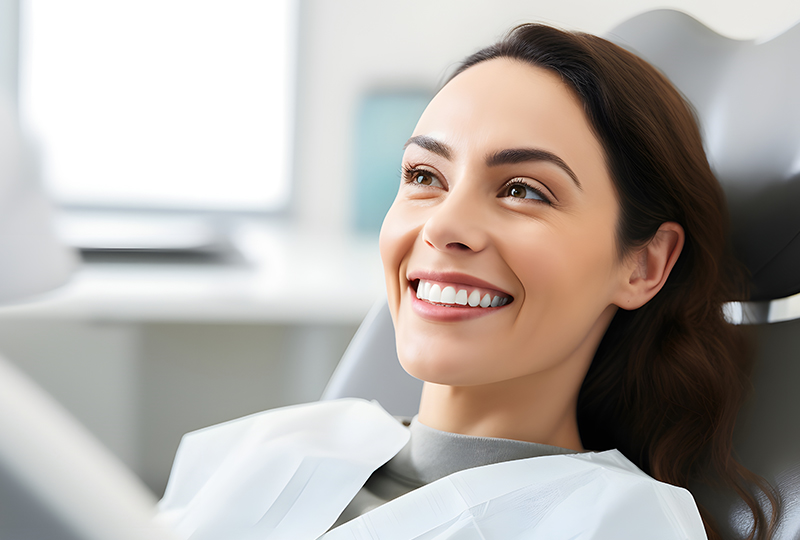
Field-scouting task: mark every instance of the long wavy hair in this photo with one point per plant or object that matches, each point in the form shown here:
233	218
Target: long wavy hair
668	379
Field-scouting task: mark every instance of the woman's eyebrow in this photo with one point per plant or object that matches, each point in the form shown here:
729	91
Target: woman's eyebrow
430	144
521	155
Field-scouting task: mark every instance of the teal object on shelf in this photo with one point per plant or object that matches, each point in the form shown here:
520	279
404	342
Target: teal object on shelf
385	122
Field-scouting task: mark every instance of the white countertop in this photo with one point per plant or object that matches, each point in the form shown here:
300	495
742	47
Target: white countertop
283	276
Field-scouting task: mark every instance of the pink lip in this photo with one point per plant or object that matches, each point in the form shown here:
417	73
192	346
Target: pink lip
453	312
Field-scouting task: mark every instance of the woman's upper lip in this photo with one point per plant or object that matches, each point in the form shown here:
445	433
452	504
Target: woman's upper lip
455	278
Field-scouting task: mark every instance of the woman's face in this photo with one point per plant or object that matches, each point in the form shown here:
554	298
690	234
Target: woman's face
505	200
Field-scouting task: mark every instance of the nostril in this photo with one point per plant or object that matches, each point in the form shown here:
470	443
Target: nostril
458	245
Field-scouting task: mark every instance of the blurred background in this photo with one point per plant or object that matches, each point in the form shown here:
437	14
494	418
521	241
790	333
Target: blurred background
223	168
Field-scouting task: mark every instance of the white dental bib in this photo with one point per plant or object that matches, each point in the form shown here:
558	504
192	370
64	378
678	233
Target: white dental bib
288	474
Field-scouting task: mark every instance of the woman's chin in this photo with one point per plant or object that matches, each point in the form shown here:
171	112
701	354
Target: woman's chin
438	369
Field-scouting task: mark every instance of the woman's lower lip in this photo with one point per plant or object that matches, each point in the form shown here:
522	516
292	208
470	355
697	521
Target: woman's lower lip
447	313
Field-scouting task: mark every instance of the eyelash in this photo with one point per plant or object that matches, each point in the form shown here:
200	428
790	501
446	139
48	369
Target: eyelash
409	174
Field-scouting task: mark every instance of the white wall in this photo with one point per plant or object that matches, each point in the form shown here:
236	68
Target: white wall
348	47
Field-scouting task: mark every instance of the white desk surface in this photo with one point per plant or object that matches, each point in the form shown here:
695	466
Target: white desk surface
285	277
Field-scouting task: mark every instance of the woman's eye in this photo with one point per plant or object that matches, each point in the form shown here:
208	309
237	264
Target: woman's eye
422	178
518	190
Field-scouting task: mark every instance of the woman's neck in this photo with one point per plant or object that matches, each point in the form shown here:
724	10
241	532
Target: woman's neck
540	407
508	410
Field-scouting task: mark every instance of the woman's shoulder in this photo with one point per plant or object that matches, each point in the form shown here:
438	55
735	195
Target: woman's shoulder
590	495
622	489
316	456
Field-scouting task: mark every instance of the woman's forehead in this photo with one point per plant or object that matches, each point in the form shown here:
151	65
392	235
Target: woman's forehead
504	103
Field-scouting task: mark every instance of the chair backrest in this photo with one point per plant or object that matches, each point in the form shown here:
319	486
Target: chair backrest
369	368
745	97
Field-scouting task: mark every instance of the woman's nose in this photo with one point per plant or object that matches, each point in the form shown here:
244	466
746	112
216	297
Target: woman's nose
456	224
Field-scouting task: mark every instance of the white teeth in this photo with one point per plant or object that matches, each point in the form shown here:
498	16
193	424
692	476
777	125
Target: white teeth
461	297
474	298
436	294
448	296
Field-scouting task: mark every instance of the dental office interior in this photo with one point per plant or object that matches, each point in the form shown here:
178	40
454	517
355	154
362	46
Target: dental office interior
220	171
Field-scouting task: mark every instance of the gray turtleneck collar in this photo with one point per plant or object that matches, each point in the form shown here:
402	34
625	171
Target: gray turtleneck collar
431	454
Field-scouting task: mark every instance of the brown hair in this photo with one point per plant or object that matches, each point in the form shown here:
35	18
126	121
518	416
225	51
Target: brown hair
668	379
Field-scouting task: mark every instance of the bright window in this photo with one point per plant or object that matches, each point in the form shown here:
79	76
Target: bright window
175	104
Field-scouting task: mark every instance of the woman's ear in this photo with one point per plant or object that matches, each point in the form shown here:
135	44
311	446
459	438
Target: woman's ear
648	268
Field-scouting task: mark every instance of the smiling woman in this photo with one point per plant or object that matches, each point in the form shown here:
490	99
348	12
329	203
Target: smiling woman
556	263
569	176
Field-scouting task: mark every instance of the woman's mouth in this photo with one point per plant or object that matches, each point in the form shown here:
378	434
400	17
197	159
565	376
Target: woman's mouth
455	295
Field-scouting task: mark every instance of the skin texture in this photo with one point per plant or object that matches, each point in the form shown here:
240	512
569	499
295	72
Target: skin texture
526	230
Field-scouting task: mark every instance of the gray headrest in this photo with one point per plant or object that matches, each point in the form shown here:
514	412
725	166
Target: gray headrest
745	94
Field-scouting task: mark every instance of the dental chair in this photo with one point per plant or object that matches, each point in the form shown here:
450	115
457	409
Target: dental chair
745	94
56	481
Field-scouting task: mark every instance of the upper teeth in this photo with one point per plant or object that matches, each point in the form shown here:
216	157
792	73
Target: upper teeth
433	292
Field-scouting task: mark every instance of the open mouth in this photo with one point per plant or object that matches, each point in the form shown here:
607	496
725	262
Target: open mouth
455	295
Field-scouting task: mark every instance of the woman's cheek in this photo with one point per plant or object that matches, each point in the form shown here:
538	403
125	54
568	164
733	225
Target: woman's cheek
397	237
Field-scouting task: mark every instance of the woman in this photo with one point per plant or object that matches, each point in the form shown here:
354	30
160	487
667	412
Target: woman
556	265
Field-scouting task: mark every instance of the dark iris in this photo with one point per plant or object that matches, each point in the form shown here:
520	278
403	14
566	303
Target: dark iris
423	178
517	191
